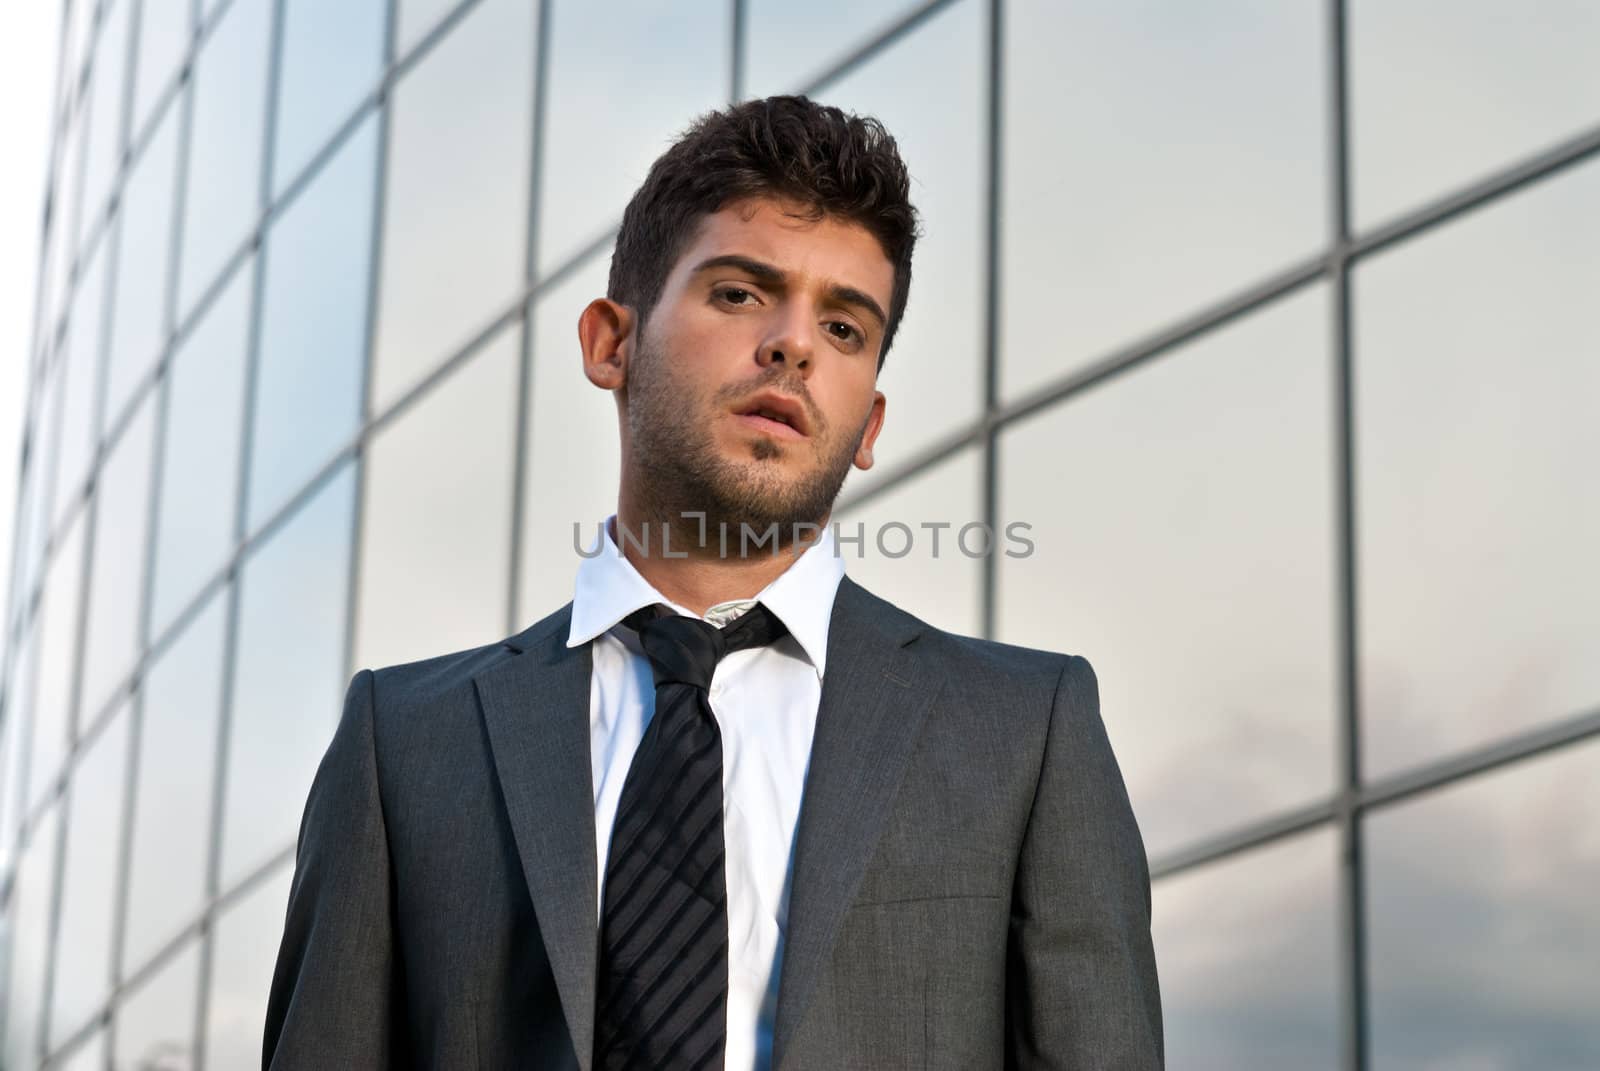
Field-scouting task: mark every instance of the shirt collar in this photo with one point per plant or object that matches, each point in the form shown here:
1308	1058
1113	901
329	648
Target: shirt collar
609	588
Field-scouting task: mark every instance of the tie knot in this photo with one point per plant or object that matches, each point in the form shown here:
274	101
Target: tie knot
686	650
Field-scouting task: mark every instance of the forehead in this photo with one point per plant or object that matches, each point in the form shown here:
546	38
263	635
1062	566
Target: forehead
826	251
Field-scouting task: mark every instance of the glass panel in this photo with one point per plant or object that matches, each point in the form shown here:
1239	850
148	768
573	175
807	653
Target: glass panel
82	976
1159	156
1183	530
107	85
436	535
1247	950
1482	941
79	20
122	518
139	316
679	50
58	243
289	675
31	900
200	453
58	648
87	1055
247	939
934	374
78	432
172	802
1436	102
787	45
564	486
18	723
69	186
163	39
455	212
916	548
222	195
155	1023
1476	443
313	328
332	57
416	18
44	448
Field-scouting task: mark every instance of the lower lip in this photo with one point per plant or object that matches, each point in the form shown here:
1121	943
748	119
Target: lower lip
775	428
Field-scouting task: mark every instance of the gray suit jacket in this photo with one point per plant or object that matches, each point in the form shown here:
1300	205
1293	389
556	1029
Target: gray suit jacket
969	887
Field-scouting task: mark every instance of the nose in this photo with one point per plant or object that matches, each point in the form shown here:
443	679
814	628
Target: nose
788	342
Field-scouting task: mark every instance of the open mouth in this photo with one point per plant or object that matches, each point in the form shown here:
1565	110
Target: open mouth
777	415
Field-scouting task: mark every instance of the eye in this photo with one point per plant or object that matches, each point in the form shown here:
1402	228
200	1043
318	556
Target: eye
733	295
844	332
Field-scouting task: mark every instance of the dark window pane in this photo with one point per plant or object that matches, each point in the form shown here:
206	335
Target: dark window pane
246	948
787	45
313	328
139	314
934	375
1158	156
435	547
155	1022
679	50
289	676
200	453
82	976
222	194
116	577
456	205
1248	955
332	56
1482	941
1183	529
172	799
1511	83
1480	513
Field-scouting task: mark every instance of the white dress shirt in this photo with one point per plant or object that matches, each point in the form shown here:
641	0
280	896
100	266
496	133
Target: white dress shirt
765	701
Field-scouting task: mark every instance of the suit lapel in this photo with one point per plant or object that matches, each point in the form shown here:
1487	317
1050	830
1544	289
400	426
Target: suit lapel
536	709
875	695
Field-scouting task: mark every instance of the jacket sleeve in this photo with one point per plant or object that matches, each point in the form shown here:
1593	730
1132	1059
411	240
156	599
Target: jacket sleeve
1081	987
336	998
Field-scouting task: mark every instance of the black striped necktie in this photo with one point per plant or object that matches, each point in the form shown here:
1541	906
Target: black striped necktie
662	995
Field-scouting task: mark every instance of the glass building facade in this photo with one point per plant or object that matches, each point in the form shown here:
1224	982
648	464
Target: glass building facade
1268	318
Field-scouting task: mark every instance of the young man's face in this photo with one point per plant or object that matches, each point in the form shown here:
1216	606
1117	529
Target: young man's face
752	387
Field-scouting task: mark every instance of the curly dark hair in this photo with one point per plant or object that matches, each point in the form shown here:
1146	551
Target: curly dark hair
840	164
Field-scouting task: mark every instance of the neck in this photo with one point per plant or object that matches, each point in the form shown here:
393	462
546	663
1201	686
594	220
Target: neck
692	563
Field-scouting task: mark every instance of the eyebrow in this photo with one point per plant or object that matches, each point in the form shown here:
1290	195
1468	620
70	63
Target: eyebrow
769	275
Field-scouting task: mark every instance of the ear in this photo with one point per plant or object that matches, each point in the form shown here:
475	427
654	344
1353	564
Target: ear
869	435
605	332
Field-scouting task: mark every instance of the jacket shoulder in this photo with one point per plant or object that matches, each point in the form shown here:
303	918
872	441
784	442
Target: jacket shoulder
968	659
423	686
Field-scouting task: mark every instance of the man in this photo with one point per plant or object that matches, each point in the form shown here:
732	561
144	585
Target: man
726	807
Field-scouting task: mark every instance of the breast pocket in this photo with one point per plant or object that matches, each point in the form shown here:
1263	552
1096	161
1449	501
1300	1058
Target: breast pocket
911	882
